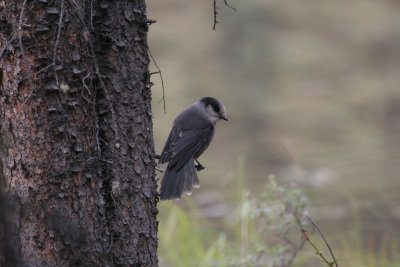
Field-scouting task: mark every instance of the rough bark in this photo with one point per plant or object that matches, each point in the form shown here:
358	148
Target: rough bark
76	150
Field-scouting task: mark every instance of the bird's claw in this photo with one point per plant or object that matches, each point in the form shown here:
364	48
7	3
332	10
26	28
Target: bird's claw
199	167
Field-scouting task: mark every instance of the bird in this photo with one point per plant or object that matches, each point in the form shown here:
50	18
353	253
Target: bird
191	134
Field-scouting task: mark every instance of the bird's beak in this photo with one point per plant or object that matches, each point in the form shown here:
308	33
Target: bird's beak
224	117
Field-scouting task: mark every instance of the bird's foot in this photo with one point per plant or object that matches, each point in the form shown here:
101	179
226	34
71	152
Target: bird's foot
199	167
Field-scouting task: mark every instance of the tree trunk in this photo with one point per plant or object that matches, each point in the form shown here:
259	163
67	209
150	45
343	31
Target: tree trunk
77	172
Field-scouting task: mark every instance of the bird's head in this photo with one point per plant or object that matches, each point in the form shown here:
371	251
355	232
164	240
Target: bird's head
215	109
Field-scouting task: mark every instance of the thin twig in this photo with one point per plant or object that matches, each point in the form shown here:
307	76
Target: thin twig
29	96
123	215
37	72
113	150
317	251
162	80
21	47
216	11
97	126
296	251
228	5
326	242
215	14
152	73
84	83
302	242
57	40
97	69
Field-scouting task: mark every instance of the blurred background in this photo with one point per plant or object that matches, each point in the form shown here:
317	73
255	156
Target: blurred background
312	90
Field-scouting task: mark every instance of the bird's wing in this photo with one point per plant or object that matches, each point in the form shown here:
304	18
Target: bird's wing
190	135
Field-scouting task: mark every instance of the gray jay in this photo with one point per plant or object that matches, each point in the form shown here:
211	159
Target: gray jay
191	134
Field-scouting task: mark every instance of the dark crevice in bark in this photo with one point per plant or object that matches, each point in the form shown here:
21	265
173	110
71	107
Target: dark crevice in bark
10	245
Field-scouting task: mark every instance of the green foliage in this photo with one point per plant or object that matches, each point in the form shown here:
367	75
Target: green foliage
279	215
262	231
265	229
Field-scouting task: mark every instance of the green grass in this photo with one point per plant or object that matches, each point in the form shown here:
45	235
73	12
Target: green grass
186	240
258	234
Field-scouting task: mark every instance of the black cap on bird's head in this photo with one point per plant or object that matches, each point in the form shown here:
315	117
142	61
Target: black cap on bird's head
214	107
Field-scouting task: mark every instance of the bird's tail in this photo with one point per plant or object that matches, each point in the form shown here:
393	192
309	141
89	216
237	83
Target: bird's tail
176	182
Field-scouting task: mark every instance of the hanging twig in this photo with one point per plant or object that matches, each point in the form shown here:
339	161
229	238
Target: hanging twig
97	71
228	5
162	80
122	213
